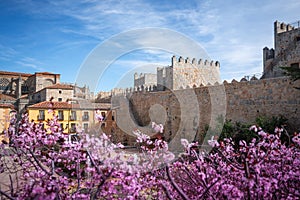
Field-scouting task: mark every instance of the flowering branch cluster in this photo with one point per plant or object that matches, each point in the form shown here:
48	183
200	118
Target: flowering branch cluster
45	164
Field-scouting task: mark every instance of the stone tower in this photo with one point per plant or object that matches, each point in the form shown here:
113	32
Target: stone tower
186	73
286	52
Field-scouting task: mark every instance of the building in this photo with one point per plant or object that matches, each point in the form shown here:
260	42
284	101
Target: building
6	112
57	92
286	52
72	115
40	80
20	85
66	112
13	83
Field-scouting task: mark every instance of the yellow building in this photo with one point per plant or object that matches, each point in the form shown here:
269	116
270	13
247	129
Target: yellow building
71	116
6	112
68	114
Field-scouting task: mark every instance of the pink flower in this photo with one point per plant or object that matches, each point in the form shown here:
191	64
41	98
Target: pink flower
158	128
253	127
212	142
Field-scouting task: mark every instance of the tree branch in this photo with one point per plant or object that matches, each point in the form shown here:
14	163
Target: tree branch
177	188
6	195
167	192
38	163
93	162
208	188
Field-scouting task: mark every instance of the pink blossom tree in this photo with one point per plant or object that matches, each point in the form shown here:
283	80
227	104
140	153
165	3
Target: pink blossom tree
44	164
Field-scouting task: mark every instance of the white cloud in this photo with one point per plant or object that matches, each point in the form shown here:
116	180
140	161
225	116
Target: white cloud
7	53
232	32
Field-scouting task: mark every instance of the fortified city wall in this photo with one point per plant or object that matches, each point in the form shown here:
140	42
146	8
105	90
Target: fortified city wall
245	101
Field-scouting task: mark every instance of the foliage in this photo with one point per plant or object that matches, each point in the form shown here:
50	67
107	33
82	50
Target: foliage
264	168
239	131
293	72
268	123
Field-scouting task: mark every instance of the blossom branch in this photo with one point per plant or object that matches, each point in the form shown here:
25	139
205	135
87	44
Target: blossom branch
6	195
177	188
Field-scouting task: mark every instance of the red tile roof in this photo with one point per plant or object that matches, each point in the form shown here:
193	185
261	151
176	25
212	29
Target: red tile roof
3	105
45	73
14	73
54	105
60	86
7	97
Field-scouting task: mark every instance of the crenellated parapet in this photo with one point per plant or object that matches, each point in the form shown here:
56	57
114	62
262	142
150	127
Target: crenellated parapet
194	62
181	74
154	88
281	27
141	75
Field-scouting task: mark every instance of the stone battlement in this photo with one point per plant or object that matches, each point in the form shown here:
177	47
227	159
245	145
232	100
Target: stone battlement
198	63
143	75
153	88
281	27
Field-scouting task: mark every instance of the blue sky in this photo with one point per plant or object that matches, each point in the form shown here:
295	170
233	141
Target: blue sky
59	35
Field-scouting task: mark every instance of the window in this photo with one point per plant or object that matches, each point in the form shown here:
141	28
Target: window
73	115
60	115
103	114
59	91
298	38
73	138
62	126
85	127
41	115
60	99
73	128
85	116
113	116
4	84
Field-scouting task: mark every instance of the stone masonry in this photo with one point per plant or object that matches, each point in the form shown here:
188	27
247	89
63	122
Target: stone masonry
244	101
286	52
145	80
186	73
181	74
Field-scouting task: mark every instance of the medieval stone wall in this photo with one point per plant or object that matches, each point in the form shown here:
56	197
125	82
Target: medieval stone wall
244	102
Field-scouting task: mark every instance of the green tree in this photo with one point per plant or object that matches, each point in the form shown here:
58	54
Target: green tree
293	72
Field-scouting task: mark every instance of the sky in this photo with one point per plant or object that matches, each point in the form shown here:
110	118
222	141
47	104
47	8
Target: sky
62	36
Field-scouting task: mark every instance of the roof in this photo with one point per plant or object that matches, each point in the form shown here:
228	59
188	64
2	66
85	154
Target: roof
60	86
104	106
4	105
45	73
86	104
14	73
54	105
7	97
24	96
